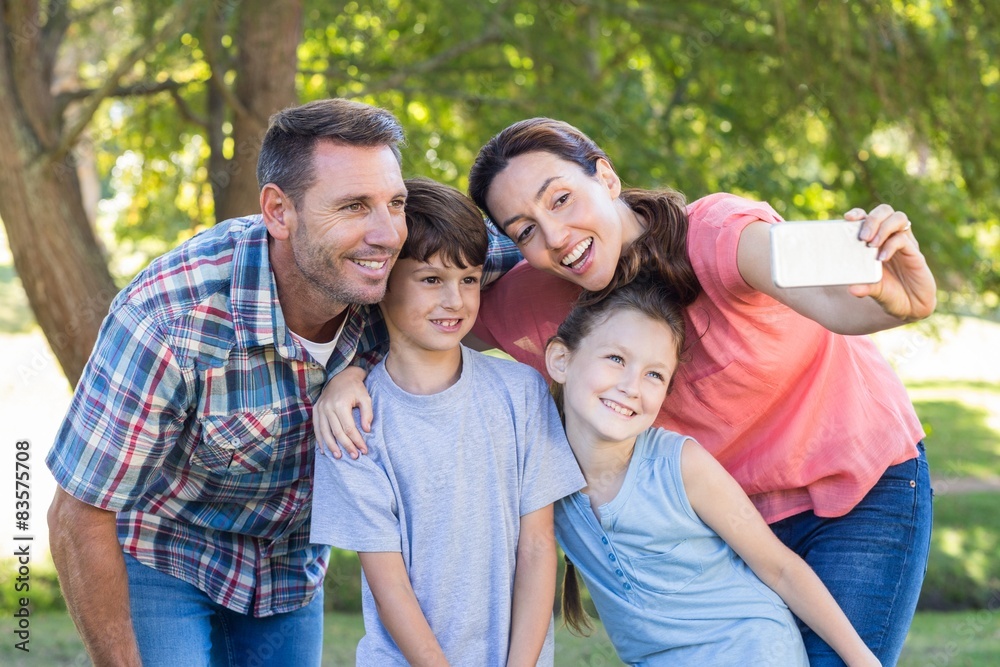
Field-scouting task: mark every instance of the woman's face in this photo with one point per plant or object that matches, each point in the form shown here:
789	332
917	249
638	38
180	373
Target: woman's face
564	221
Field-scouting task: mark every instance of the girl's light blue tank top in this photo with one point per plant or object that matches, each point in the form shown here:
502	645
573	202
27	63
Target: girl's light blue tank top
668	589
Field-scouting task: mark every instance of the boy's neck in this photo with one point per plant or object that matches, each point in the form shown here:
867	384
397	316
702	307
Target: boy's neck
423	372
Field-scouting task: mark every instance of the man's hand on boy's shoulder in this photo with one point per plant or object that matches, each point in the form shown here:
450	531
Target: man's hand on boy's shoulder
333	414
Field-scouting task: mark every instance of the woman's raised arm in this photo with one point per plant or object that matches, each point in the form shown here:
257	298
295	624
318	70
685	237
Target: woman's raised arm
906	293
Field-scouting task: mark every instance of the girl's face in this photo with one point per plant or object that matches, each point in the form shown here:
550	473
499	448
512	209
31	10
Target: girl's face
615	381
565	222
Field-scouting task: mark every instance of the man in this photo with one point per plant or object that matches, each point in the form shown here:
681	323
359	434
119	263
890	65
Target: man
180	531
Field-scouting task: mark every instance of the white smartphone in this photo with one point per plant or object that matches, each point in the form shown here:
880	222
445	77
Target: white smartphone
812	253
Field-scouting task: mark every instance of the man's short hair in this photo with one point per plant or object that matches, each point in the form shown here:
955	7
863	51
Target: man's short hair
287	149
441	220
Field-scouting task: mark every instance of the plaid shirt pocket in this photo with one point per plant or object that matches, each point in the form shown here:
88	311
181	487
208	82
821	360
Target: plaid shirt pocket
236	444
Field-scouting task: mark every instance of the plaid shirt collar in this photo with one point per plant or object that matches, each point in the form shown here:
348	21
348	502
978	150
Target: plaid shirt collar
257	316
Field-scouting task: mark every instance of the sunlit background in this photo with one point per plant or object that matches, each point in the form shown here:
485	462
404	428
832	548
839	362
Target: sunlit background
129	126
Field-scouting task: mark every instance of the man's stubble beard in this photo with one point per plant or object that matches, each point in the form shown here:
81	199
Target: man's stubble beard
320	271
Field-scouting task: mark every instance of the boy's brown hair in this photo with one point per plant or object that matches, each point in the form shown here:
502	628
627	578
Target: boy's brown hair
441	220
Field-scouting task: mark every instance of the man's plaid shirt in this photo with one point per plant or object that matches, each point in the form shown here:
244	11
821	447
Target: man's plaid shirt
192	420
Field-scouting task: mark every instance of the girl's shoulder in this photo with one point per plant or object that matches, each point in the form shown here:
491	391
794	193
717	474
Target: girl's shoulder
659	443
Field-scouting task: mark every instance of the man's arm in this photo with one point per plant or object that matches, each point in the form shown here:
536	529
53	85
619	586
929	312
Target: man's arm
126	415
88	558
501	255
534	587
399	610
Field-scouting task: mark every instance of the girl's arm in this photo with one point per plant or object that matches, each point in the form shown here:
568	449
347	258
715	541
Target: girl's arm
399	610
534	587
721	503
906	293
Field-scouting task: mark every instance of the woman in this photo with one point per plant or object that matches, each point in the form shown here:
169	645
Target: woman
805	414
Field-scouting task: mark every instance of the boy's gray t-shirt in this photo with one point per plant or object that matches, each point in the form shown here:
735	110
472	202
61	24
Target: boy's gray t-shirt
445	482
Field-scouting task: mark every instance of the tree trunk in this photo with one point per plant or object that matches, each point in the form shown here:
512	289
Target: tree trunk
267	61
56	254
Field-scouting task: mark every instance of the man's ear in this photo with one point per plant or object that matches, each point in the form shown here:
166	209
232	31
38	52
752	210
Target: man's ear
607	176
556	360
278	211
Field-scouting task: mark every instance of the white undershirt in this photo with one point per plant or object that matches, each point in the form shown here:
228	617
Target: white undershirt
321	352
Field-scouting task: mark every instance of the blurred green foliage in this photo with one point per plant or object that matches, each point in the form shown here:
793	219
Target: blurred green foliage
35	581
815	107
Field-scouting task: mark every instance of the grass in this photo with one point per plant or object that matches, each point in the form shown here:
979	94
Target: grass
53	642
964	570
956	639
962	421
967	639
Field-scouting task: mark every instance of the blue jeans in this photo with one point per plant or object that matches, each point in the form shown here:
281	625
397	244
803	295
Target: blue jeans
872	559
177	624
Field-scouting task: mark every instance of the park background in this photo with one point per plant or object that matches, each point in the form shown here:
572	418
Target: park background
128	126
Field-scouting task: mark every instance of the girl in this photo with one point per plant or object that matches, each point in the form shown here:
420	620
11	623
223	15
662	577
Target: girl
666	540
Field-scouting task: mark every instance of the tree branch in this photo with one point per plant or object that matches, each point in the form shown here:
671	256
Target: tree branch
55	28
23	30
140	89
94	101
186	110
218	67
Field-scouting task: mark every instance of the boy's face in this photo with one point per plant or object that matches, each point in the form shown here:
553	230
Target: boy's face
430	305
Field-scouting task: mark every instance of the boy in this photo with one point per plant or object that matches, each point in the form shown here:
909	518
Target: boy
451	511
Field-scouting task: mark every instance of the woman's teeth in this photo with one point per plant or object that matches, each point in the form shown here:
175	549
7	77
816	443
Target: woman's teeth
577	252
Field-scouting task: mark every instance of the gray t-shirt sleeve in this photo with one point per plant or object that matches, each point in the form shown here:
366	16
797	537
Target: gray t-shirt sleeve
549	470
354	506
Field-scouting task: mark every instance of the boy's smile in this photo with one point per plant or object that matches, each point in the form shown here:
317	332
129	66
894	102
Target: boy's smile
430	306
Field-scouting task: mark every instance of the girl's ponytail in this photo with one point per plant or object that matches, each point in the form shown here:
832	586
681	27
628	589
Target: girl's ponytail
574	615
